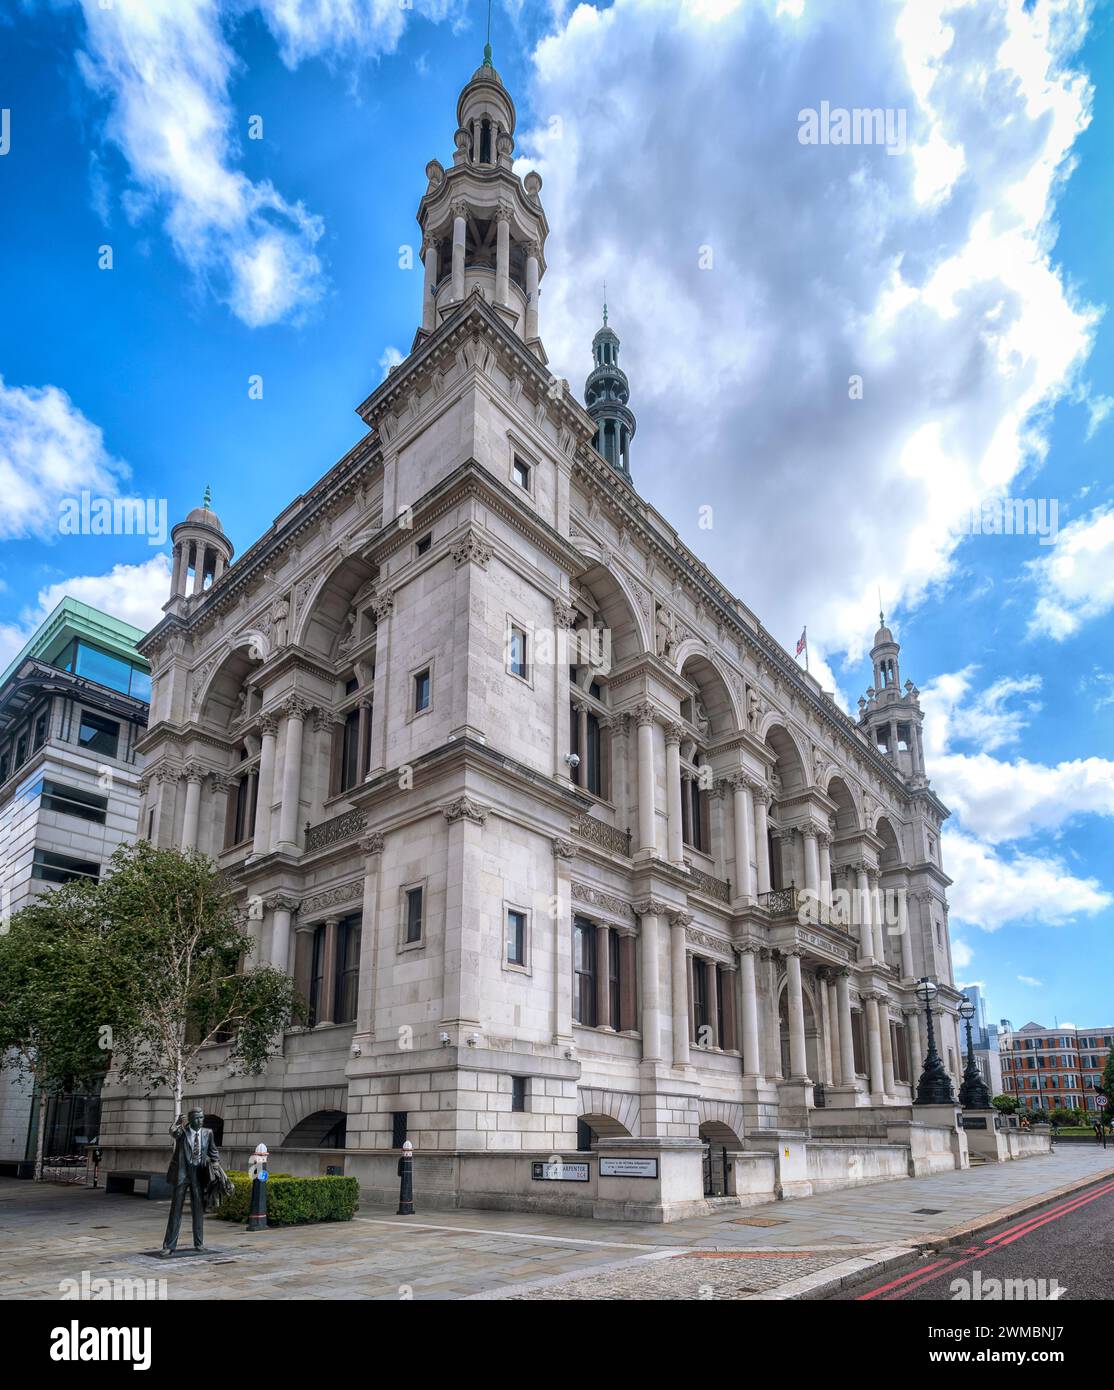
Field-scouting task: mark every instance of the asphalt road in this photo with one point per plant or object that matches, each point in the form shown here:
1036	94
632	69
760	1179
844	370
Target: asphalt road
1064	1252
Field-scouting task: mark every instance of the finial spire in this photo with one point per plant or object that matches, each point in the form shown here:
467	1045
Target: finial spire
605	304
208	496
487	45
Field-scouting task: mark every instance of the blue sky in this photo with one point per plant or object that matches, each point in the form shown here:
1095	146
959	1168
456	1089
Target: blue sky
750	277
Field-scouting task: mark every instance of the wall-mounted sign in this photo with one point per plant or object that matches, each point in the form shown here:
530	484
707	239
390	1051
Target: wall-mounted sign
628	1167
973	1121
559	1172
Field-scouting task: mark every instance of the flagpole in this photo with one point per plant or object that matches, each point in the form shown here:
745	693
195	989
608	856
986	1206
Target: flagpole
805	633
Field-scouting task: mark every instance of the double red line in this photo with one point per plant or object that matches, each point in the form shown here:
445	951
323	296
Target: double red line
898	1288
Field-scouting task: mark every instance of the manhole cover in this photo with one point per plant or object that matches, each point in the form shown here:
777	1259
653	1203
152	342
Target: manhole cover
758	1221
928	1211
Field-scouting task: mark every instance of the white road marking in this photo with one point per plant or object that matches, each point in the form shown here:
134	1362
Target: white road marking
518	1235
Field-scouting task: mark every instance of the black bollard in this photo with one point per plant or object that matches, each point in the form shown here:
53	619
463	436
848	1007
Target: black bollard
406	1181
257	1166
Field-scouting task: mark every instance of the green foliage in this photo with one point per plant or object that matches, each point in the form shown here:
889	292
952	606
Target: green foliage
1064	1117
186	961
1006	1105
1107	1086
294	1201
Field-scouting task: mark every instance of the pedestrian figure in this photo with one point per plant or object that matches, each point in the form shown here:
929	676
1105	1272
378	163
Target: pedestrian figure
195	1168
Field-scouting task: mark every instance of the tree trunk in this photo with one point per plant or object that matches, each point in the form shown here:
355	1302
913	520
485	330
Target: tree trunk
40	1137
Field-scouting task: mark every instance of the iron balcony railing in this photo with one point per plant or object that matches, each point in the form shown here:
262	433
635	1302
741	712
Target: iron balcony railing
333	832
604	836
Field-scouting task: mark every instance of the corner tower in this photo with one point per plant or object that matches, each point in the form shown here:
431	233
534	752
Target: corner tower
606	393
483	228
890	716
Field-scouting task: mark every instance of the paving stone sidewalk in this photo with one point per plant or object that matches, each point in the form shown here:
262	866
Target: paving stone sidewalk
49	1234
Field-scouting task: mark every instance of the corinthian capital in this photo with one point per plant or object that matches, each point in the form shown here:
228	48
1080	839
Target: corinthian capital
651	907
645	713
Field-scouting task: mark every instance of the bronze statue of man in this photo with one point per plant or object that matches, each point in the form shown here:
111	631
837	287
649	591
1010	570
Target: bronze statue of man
192	1169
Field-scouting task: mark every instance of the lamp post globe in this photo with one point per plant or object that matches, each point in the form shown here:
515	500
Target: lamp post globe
973	1094
934	1086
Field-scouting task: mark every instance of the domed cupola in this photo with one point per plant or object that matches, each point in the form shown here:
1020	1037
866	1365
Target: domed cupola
606	393
202	553
483	228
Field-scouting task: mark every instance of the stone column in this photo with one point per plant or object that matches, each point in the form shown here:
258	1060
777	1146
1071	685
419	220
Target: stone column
752	1059
673	791
887	1046
223	791
761	798
176	584
874	1047
533	255
502	254
798	1063
862	900
603	979
460	213
463	949
711	980
282	908
372	847
730	1008
295	710
199	568
327	1002
832	1002
824	841
628	979
362	741
772	1018
744	835
846	1039
429	305
650	912
194	778
564	851
303	958
877	915
265	792
383	606
678	972
812	860
647	811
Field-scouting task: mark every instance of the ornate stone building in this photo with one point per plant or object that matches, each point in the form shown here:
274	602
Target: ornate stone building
594	894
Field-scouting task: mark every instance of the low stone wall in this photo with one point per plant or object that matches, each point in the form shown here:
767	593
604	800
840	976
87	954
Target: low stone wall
832	1165
1024	1145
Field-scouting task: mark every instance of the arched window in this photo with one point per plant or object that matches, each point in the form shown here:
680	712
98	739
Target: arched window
485	142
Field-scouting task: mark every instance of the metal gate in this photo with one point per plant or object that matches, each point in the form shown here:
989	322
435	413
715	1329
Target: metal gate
715	1170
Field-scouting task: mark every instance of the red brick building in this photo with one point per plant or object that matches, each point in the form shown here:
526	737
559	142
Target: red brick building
1053	1068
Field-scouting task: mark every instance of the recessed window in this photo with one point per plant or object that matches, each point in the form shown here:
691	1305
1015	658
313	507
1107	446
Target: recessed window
71	801
4	764
40	732
21	750
516	937
518	1093
398	1128
60	868
423	546
99	735
521	473
516	653
421	691
413	919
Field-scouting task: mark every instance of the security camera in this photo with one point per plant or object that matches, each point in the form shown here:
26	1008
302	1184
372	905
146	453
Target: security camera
356	1050
573	759
445	1040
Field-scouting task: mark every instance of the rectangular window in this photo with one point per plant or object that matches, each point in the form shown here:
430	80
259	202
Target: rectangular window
69	801
614	980
60	868
316	975
5	760
398	1128
423	546
700	1001
518	1093
584	973
21	750
521	473
899	1048
516	653
858	1043
40	732
348	969
421	691
243	815
516	937
350	750
413	915
99	735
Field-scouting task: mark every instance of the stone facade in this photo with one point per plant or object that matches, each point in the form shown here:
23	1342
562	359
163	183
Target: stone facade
563	848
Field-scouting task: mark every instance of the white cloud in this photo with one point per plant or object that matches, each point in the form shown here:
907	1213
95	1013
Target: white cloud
1029	980
962	954
49	451
826	262
954	714
991	889
133	593
1075	581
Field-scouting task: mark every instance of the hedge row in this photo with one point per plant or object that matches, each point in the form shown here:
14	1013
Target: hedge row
293	1201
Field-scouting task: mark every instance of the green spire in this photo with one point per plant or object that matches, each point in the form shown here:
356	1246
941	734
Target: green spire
208	497
487	45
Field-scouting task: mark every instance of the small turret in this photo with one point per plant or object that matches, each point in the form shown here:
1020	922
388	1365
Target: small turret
606	393
202	553
890	716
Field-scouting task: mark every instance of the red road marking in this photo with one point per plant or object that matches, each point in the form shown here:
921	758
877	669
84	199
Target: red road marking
898	1288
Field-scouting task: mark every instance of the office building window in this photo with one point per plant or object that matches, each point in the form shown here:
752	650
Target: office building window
97	735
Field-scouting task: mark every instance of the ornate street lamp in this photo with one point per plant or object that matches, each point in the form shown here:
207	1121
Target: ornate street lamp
973	1094
934	1087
